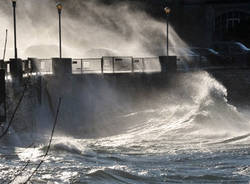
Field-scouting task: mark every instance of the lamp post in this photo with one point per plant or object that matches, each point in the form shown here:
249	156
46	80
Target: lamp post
14	16
59	8
167	11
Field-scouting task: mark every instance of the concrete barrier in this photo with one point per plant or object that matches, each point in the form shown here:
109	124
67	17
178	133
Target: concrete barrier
168	63
26	68
16	69
61	67
35	65
2	64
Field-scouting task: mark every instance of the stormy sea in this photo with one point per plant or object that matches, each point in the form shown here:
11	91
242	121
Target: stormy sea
197	130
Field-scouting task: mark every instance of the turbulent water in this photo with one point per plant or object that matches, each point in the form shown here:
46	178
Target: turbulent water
191	135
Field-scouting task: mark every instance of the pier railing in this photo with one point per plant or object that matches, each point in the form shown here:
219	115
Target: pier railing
115	64
108	64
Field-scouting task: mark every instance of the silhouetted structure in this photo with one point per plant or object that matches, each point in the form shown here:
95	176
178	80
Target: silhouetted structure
201	22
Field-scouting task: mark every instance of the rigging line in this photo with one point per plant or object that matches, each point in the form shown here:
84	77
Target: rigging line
54	126
18	104
14	113
20	172
51	137
28	162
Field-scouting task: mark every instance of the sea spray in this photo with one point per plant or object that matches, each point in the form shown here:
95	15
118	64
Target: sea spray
123	30
184	131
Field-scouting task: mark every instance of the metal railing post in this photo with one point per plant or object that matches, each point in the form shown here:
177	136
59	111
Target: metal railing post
199	60
143	65
81	67
113	64
15	35
102	64
132	67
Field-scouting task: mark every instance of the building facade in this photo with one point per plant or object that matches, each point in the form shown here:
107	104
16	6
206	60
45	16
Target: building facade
201	22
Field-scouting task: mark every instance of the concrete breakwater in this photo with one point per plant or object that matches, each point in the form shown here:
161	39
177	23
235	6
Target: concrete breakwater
95	104
21	75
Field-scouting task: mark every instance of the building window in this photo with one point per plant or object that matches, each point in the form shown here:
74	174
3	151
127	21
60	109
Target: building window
227	21
231	23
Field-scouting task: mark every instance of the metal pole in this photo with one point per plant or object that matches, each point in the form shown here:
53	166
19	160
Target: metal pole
167	37
132	65
60	35
102	65
81	66
5	44
113	64
143	65
14	15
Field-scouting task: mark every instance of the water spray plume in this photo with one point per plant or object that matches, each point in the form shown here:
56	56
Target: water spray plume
123	30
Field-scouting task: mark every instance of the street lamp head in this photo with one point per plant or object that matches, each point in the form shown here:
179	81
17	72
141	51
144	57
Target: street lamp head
14	3
167	10
59	7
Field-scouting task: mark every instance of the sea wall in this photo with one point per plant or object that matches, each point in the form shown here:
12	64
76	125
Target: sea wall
93	104
97	105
